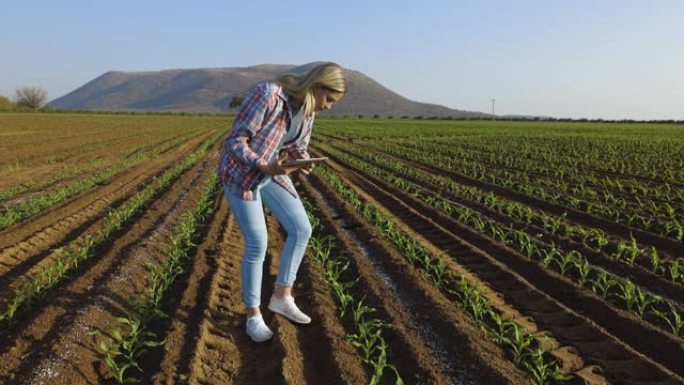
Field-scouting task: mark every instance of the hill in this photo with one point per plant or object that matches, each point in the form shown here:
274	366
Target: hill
212	89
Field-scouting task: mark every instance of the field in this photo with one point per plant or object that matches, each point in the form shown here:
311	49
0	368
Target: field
443	252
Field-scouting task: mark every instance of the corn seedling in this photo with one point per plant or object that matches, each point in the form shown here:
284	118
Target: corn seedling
543	373
603	284
564	261
520	343
584	269
656	267
676	323
644	300
676	270
629	293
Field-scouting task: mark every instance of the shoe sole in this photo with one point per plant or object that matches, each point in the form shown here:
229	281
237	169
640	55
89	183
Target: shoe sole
259	340
287	316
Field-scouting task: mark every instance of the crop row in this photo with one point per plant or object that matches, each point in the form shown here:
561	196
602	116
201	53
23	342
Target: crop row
548	170
644	152
569	263
35	205
668	227
70	257
523	346
127	338
155	146
368	336
627	252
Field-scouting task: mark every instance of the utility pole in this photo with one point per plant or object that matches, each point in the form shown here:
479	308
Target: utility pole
493	116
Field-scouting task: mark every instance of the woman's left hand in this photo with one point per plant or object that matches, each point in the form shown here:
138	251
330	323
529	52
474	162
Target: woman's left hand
307	169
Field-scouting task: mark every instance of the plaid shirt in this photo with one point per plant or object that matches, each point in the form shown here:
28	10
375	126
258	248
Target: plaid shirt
263	119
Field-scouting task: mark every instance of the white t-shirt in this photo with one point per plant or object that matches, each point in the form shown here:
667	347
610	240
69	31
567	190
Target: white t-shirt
293	129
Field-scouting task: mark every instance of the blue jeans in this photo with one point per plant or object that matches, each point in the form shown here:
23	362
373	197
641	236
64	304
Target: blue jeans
250	217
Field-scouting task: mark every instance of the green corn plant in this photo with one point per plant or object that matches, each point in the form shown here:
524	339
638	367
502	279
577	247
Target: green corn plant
12	308
479	224
367	338
564	261
673	228
676	269
526	244
465	292
584	269
628	294
322	247
603	284
628	251
122	349
520	343
543	373
676	323
478	306
335	268
111	350
554	224
548	256
380	364
360	310
502	329
645	300
581	234
465	216
656	267
600	239
438	271
343	296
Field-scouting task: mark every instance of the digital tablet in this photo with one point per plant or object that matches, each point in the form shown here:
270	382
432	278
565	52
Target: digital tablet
303	162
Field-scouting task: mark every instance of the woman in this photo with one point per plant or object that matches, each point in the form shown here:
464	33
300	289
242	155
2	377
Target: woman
274	126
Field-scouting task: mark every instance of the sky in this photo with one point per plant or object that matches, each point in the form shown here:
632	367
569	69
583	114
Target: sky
594	59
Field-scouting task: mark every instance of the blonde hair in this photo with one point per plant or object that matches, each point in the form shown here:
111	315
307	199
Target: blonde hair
300	87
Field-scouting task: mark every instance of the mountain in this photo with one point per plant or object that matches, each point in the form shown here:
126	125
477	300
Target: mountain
212	90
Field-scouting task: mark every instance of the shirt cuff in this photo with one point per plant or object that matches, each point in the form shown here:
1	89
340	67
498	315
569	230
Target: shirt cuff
260	162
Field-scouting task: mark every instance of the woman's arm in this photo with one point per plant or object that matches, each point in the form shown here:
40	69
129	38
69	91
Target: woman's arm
256	107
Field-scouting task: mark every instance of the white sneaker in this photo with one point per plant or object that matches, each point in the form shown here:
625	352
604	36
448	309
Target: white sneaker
257	329
287	308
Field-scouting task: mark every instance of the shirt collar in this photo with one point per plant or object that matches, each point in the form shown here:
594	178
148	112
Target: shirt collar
285	97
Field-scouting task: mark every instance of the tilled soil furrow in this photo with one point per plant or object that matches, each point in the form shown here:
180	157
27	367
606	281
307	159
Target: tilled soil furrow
121	184
670	245
313	354
225	354
455	348
285	331
56	346
650	181
29	255
406	209
170	363
640	273
133	148
328	356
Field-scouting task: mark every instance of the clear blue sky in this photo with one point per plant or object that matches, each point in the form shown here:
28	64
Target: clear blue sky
573	58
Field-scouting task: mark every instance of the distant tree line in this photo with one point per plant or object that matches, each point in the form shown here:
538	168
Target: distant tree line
33	99
513	119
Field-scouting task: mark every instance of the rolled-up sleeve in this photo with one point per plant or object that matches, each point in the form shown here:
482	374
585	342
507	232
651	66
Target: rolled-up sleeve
248	122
